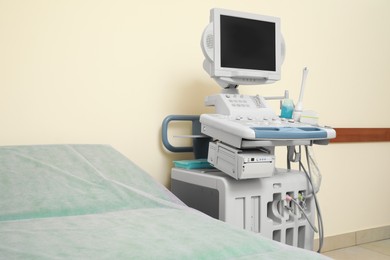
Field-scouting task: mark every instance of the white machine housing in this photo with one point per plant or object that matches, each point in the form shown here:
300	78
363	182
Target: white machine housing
258	205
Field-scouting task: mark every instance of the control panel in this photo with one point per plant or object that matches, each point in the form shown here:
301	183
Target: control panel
237	105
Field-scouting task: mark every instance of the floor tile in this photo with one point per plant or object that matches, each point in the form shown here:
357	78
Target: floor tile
356	253
382	246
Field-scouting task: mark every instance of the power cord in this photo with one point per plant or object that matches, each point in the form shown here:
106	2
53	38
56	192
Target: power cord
319	215
295	156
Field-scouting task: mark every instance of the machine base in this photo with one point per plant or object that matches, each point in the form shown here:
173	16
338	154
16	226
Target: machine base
258	205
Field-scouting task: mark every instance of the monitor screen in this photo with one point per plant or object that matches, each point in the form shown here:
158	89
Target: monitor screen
247	44
242	48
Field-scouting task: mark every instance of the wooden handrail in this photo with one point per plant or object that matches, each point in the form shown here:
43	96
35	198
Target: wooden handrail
351	135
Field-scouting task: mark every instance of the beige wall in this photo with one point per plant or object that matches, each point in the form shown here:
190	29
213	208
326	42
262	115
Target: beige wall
109	71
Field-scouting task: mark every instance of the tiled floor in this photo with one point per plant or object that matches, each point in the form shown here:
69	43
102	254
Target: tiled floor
376	250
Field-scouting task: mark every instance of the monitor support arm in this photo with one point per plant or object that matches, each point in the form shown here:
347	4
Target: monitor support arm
228	88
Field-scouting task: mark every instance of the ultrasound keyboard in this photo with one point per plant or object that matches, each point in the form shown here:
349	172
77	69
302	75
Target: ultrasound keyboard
234	129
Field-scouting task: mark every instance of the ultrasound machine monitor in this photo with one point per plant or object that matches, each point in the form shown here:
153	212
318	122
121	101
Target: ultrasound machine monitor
242	48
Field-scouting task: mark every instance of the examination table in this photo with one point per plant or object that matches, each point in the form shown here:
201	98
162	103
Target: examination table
91	202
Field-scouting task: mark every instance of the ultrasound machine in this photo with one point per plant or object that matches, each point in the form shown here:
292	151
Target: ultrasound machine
236	179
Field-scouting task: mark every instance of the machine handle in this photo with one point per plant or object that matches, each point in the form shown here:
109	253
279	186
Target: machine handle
195	130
